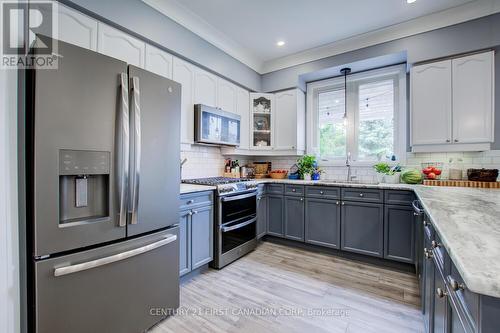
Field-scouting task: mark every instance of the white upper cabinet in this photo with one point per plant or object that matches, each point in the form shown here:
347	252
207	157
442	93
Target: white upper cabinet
242	108
473	93
205	88
119	45
262	117
159	61
431	103
227	95
183	73
289	120
76	28
452	104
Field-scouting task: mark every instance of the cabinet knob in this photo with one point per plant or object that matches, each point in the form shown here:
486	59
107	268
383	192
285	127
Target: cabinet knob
448	140
258	199
190	213
321	192
456	140
455	285
361	195
427	254
435	244
425	223
294	190
441	293
343	203
190	202
337	203
301	199
195	212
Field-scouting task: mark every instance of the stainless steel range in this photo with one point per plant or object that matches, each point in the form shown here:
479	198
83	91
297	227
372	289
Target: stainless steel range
235	215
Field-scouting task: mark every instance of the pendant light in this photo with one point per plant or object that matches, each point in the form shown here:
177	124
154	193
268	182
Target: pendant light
345	71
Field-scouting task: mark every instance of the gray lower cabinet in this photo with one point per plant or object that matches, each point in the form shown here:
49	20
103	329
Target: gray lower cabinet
294	218
196	232
399	233
454	322
362	227
440	303
261	215
202	236
322	222
275	215
184	242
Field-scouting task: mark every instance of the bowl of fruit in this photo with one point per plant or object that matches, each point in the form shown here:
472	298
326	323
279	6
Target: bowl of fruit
278	174
432	171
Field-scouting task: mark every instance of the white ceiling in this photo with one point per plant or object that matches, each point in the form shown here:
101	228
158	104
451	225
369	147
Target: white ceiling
249	29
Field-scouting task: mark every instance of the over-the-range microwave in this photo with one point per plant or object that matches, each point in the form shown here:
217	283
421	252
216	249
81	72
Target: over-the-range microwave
216	126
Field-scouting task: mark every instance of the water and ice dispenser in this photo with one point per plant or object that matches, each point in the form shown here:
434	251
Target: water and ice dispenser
83	186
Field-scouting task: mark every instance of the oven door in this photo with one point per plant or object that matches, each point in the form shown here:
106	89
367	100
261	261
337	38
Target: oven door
237	220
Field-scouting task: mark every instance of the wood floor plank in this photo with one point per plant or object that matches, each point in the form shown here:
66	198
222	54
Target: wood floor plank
277	288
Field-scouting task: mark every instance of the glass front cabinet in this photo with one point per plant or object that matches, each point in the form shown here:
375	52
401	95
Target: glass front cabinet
262	109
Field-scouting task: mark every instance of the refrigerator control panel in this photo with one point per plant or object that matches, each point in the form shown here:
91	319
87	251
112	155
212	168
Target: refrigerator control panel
83	162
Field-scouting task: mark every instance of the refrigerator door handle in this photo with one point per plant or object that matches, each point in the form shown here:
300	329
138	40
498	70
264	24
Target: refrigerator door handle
65	270
123	150
136	122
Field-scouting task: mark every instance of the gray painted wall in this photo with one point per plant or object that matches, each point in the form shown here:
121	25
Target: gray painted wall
143	21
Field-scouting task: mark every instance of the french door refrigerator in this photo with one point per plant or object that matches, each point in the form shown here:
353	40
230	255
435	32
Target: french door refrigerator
102	194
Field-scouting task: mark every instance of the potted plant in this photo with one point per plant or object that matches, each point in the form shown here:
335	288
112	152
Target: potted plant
307	165
381	169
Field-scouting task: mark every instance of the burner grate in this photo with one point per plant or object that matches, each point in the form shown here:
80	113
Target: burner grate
213	181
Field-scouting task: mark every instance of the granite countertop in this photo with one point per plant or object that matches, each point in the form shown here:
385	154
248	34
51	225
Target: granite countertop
190	188
467	220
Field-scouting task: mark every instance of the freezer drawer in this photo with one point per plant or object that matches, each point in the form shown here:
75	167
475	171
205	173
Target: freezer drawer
124	287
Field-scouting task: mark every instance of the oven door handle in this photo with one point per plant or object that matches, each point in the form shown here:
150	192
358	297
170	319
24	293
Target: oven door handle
239	197
239	225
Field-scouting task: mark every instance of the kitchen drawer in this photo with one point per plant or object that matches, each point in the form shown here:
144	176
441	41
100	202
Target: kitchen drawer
397	197
275	188
197	199
466	302
323	192
295	190
362	194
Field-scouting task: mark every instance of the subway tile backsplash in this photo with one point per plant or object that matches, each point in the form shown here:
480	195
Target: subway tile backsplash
206	161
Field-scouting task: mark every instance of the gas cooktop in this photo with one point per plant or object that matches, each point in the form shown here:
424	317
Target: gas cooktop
225	185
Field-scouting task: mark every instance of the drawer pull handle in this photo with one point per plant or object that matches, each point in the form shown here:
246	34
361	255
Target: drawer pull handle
361	195
456	286
441	293
426	224
435	244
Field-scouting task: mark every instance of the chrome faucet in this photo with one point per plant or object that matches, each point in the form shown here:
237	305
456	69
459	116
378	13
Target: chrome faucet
348	165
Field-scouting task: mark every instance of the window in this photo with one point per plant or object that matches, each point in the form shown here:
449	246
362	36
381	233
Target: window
373	125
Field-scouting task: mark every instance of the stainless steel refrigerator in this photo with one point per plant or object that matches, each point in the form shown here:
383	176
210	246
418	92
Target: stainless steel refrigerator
102	194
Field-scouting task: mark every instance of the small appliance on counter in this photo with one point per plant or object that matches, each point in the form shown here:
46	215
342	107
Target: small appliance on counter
262	169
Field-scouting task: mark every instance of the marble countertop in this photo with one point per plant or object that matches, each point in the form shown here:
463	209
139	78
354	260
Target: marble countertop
467	220
190	188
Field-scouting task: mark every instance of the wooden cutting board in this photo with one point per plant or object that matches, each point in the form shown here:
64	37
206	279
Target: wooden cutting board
462	183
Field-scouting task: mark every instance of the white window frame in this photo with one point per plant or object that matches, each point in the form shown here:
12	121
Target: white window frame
397	72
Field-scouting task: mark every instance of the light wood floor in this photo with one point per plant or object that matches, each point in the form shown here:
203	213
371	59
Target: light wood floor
281	285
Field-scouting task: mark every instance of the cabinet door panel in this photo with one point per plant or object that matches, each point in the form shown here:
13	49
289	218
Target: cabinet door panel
205	88
286	120
275	216
294	218
322	222
440	304
159	61
399	233
473	98
242	108
202	235
363	228
226	96
119	45
76	28
184	243
262	216
431	103
183	73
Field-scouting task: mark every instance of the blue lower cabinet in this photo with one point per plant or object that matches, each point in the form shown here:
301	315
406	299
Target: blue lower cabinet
322	222
202	236
362	227
399	233
294	218
440	304
184	242
275	215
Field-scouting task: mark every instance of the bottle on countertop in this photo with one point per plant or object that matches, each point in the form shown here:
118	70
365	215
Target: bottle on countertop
455	172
